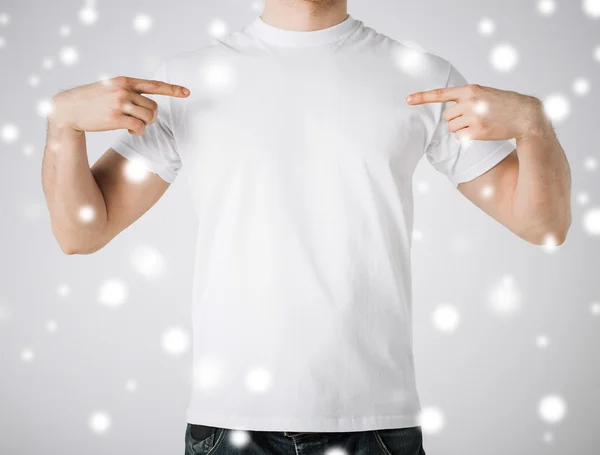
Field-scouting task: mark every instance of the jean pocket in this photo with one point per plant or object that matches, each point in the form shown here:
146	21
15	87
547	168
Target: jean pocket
202	438
400	441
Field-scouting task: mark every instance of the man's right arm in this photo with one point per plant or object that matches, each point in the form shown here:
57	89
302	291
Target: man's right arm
89	206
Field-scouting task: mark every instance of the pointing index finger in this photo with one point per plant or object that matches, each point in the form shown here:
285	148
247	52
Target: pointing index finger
155	87
438	95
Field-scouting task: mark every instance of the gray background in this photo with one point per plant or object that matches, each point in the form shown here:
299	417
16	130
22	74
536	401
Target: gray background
64	356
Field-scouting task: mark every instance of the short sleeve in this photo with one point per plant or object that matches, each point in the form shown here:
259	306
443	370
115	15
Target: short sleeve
460	162
156	149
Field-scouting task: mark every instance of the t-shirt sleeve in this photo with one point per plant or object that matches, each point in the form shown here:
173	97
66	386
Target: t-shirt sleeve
461	162
156	149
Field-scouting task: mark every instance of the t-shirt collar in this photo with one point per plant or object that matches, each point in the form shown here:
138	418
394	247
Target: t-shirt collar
283	37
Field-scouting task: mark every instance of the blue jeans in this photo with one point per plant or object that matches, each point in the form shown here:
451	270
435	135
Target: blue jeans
207	440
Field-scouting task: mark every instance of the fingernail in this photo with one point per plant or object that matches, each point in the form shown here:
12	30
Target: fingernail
185	91
410	98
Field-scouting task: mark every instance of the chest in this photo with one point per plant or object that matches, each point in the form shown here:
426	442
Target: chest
301	109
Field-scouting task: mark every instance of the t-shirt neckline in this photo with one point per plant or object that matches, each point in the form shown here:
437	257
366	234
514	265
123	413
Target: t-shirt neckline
283	37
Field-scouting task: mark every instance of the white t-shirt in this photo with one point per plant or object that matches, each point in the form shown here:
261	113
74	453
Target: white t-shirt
299	149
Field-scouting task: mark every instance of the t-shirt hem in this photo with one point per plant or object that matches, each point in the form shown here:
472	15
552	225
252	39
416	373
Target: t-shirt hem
333	424
484	165
124	150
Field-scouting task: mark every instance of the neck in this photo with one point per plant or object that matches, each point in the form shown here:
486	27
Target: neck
304	15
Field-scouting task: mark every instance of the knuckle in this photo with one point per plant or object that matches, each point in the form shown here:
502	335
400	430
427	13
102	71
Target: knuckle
121	94
57	97
439	92
536	101
475	89
114	114
128	121
446	115
120	81
154	110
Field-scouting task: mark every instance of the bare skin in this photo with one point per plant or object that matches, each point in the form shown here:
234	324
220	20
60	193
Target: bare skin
304	15
528	192
73	189
90	206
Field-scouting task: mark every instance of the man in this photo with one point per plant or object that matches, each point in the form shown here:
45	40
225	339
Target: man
298	145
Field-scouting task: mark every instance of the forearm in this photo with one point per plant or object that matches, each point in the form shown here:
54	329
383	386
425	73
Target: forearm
75	203
541	200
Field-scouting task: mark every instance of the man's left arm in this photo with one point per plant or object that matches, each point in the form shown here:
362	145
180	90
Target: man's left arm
529	191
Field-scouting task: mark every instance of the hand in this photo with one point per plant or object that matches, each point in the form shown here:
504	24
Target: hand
486	113
113	104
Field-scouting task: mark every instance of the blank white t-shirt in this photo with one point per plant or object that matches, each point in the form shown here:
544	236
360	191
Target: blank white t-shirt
299	149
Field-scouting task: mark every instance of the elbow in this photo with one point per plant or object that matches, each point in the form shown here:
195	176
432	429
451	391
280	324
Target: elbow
66	245
69	247
555	237
560	228
547	238
71	243
549	234
70	250
546	222
564	231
